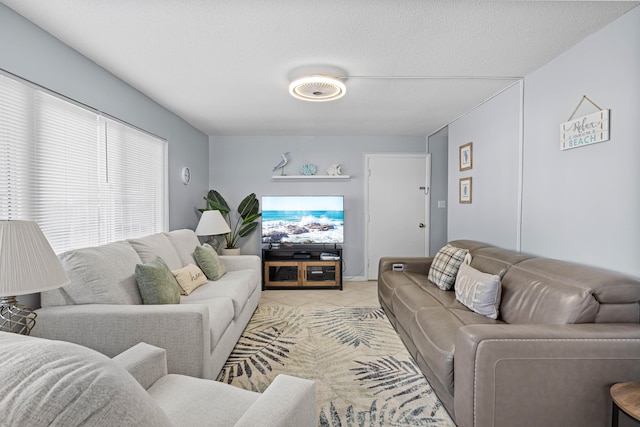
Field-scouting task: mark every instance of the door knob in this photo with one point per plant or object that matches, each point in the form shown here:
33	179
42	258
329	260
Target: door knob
421	225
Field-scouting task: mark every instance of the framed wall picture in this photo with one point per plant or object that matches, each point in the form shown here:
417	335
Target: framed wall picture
465	190
466	156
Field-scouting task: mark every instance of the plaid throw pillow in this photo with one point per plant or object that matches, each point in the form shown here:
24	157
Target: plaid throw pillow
445	265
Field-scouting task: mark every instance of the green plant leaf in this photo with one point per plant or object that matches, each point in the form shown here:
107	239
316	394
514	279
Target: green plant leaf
215	206
216	198
241	225
251	218
247	229
248	206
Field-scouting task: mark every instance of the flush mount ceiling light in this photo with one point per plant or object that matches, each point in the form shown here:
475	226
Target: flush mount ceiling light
317	88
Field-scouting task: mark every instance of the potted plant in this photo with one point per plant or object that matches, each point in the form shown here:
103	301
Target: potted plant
245	222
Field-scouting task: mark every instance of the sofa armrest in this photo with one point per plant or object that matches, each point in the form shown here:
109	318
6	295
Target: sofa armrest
145	362
181	329
552	375
287	402
411	264
242	262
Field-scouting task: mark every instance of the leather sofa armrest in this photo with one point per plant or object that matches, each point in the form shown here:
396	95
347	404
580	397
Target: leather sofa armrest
411	264
552	375
145	362
288	401
182	329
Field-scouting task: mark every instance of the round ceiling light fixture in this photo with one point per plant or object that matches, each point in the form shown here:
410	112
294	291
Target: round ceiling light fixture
317	88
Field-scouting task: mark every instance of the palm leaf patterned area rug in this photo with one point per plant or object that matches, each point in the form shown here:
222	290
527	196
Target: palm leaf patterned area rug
364	375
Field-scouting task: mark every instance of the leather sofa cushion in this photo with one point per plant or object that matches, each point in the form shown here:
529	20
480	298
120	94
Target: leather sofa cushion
434	334
389	281
531	295
542	290
492	260
607	287
407	300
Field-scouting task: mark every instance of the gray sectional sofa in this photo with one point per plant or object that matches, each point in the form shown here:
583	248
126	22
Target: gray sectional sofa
564	334
101	308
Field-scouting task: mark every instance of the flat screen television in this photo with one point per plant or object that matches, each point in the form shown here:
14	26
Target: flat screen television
303	219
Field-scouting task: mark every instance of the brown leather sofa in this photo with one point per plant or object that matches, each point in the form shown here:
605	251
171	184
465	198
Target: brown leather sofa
565	333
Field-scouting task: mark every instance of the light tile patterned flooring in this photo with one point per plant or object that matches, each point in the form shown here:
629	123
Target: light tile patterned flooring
353	294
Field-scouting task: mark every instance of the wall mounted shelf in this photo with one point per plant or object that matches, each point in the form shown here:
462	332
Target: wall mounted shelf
292	177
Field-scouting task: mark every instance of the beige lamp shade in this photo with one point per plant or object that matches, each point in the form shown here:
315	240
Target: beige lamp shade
27	262
212	223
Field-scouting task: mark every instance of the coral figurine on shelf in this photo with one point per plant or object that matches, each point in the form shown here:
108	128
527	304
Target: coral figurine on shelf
308	169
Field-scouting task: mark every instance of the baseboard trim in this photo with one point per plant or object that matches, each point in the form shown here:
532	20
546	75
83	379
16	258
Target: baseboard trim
354	279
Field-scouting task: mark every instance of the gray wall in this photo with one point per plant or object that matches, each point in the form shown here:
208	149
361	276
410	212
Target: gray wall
583	204
494	129
242	165
438	147
579	205
33	54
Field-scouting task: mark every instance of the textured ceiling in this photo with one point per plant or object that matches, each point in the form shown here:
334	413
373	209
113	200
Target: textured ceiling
225	65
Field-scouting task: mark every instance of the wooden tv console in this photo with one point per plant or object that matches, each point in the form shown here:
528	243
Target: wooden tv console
300	267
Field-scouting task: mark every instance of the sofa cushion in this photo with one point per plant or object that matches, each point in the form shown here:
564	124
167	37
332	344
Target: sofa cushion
156	245
434	334
389	282
57	383
207	400
189	278
478	291
407	300
220	315
493	260
184	242
102	274
444	267
156	283
532	292
209	261
237	285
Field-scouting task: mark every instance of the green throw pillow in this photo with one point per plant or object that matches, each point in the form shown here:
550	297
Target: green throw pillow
209	262
156	283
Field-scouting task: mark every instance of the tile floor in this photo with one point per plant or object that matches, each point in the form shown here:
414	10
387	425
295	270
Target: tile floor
353	294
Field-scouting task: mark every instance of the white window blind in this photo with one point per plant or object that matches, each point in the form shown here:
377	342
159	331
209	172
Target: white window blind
84	178
135	182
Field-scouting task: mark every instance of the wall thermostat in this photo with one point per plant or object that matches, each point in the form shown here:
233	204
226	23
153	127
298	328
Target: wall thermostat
185	174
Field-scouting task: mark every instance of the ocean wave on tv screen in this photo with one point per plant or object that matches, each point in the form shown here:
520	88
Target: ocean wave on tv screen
303	227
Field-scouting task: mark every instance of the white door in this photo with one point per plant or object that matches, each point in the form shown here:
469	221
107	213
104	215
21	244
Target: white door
396	212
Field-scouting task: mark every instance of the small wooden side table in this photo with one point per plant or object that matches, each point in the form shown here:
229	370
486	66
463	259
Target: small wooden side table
626	398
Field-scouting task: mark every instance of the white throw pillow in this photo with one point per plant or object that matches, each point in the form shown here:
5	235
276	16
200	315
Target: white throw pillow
189	278
478	291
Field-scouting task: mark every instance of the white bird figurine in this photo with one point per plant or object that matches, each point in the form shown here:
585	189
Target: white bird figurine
282	163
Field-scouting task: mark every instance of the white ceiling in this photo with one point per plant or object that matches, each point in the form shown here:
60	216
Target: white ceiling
225	65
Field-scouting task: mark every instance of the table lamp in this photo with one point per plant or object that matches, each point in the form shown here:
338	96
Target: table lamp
212	223
27	265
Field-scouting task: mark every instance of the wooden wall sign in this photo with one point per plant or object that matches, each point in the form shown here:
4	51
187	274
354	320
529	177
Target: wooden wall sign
585	130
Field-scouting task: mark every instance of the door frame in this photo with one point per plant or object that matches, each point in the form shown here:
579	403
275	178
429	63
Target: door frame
427	200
